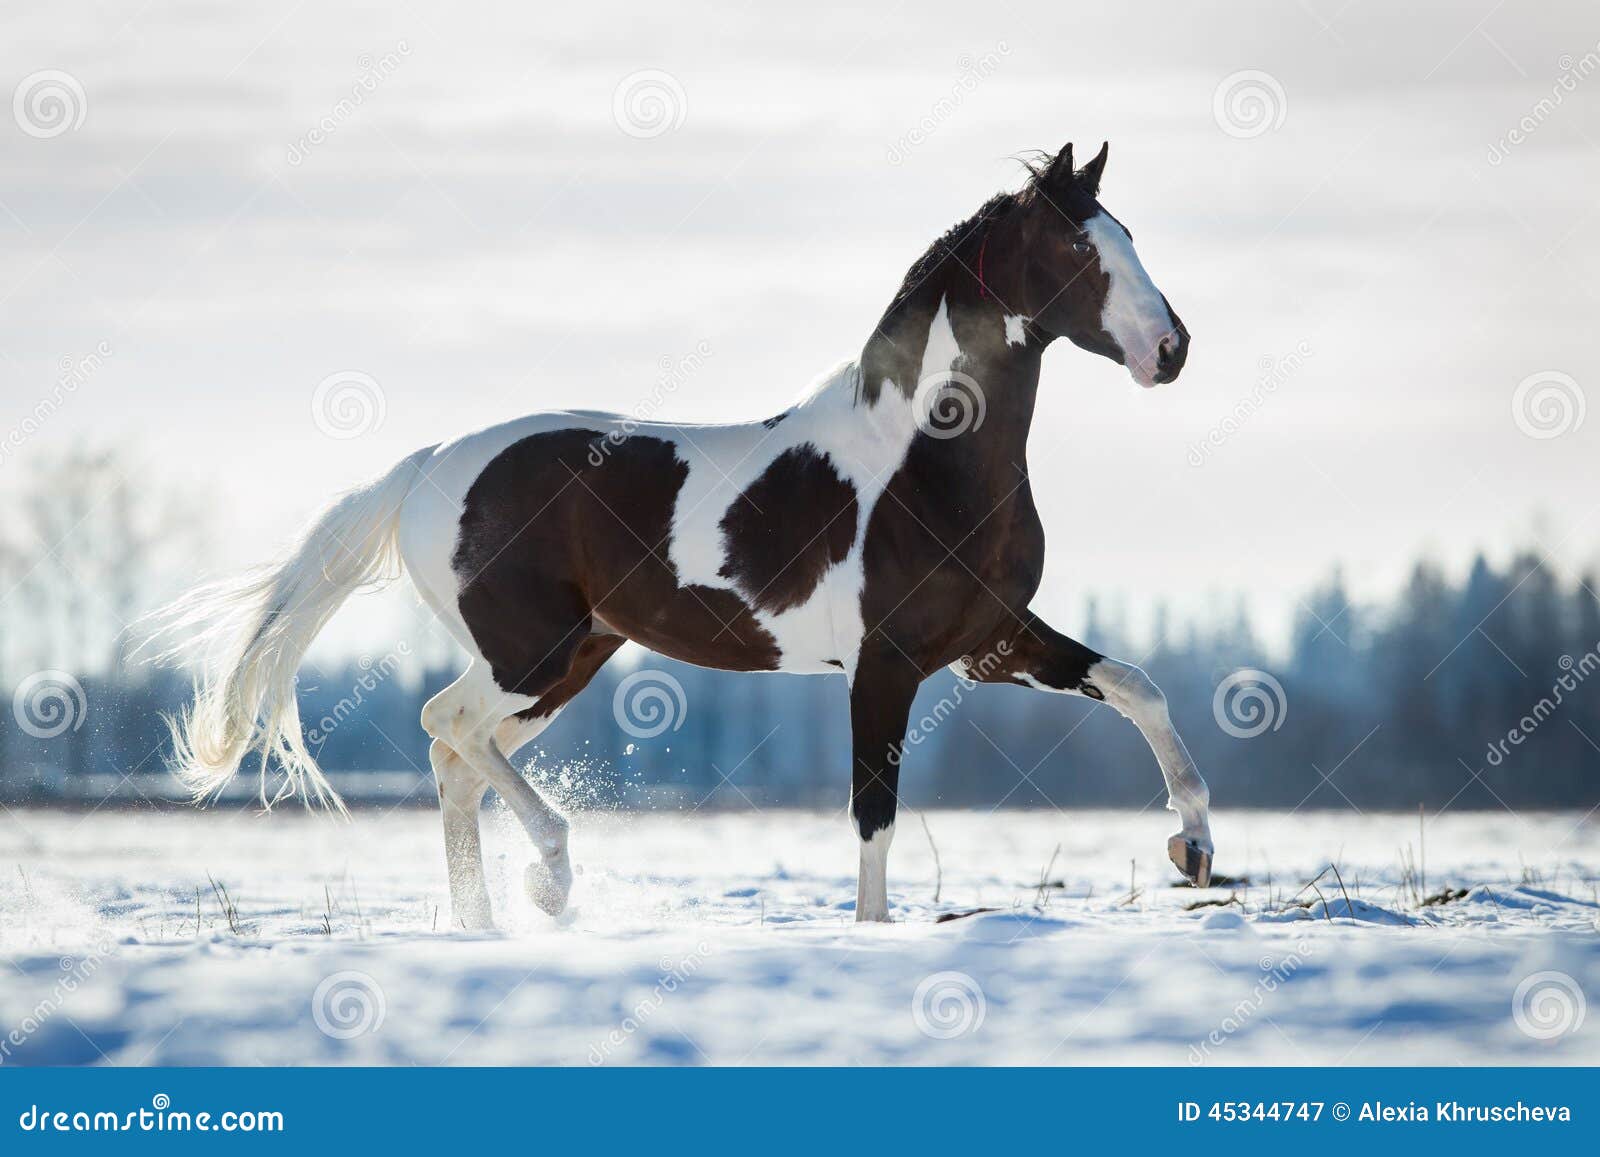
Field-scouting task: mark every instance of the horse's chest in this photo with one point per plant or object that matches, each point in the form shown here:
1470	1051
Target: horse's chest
943	565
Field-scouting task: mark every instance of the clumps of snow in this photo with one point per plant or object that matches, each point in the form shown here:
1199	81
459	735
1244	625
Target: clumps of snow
1523	897
1339	908
1345	908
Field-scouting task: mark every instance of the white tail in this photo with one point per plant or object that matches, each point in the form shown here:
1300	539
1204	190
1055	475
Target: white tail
246	636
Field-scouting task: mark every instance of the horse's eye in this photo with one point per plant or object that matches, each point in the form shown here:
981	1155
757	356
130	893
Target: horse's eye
1082	248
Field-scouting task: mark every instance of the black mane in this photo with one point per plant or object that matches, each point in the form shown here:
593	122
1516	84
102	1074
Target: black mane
956	242
960	239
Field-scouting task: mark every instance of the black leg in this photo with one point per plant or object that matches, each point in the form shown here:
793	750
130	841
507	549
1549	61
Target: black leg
880	704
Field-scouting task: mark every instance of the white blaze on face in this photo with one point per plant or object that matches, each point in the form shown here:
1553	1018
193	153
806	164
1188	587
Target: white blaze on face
1134	315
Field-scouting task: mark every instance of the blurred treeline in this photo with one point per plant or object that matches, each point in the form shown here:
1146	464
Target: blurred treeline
1381	706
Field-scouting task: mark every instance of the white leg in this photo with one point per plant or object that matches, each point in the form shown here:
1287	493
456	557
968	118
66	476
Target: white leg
872	883
548	882
460	795
1130	691
470	713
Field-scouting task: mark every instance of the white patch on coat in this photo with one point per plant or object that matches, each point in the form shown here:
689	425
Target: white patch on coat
1017	329
1134	314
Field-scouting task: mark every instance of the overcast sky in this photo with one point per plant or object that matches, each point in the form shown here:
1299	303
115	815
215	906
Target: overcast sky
491	230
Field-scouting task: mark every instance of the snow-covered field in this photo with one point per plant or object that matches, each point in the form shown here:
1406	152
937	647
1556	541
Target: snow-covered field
728	939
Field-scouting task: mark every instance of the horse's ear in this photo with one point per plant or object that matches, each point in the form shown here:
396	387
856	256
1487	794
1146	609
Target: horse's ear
1089	175
1060	168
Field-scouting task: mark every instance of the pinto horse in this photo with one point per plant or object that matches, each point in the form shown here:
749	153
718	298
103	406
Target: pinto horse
881	528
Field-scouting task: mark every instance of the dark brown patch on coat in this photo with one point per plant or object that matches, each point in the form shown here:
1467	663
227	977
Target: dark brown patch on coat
789	526
592	655
564	530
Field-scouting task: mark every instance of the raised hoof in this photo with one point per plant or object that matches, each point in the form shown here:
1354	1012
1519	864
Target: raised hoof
1190	859
548	884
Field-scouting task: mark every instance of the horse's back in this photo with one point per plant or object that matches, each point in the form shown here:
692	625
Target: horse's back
560	524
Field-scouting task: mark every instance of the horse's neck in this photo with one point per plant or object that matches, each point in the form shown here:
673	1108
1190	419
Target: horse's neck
946	337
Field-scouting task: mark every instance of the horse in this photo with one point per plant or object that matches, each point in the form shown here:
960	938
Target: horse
882	528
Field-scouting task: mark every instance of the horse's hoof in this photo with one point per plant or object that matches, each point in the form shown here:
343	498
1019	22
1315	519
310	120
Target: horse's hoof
1190	859
548	884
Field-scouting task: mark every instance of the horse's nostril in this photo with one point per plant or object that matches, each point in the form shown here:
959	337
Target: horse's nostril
1170	349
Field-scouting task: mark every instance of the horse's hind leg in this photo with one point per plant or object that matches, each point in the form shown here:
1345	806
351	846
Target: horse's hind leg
481	723
460	796
549	881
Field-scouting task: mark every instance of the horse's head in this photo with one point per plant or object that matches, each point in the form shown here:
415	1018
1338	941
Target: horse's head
1082	279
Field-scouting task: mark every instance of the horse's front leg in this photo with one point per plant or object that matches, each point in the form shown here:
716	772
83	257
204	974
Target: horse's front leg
881	691
1030	653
